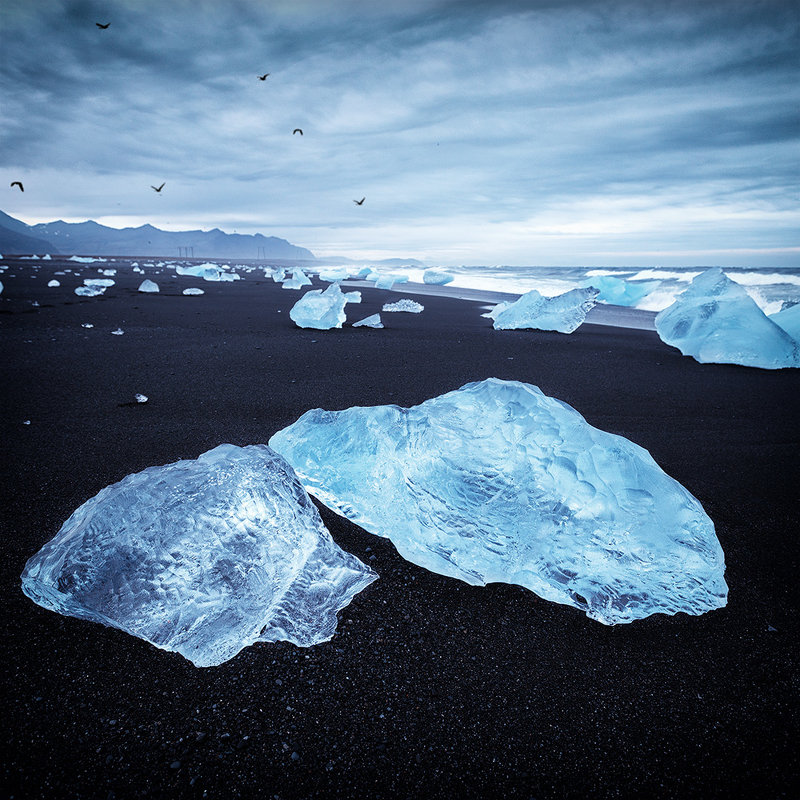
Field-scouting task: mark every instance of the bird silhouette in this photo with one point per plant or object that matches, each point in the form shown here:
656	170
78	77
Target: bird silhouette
101	26
360	202
297	130
159	188
17	183
264	76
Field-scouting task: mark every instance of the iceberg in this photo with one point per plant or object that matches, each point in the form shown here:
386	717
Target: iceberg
148	286
89	291
53	283
202	558
297	281
373	321
437	277
716	321
563	313
498	482
322	310
411	306
789	320
619	292
192	291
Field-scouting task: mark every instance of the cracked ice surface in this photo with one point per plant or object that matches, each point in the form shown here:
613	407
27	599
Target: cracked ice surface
498	482
563	313
323	310
716	321
201	557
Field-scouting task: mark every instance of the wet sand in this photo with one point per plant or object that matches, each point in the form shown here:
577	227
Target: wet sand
430	688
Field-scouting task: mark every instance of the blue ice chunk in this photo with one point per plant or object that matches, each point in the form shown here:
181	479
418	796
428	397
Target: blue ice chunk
498	482
201	557
437	277
363	273
563	313
148	286
372	321
715	321
384	281
619	292
789	320
334	274
278	275
297	281
322	310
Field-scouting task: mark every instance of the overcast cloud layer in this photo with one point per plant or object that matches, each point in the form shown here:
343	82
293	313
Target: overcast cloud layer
498	132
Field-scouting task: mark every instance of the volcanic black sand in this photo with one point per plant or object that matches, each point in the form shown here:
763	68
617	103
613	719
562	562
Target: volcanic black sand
431	687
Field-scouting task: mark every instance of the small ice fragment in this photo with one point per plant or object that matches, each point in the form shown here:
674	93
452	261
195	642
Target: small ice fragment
89	291
373	321
278	275
53	283
322	310
563	313
202	557
411	306
148	286
437	277
35	303
26	422
193	291
297	281
105	282
1	287
118	332
108	271
141	398
87	325
45	257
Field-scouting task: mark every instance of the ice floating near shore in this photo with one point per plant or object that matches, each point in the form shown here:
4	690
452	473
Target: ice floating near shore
563	313
148	286
789	320
619	292
202	558
298	280
498	482
436	277
322	310
716	321
373	321
192	291
411	306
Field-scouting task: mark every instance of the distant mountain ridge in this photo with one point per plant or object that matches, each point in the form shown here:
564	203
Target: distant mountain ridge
91	238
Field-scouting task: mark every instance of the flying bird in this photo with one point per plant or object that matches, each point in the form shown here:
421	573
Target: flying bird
101	26
17	183
297	130
360	202
264	76
159	188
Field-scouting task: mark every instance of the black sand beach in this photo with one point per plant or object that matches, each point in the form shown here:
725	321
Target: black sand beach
430	688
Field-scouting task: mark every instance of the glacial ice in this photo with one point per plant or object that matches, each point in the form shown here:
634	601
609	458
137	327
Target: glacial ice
141	398
148	286
322	310
373	321
498	482
84	259
1	287
789	320
385	281
619	292
202	558
118	332
334	274
297	281
89	291
192	291
437	277
208	272
716	321
278	275
563	313
411	306
53	283
105	282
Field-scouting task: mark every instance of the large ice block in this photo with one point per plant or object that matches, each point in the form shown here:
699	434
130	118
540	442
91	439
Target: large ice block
563	313
201	557
716	321
498	482
322	310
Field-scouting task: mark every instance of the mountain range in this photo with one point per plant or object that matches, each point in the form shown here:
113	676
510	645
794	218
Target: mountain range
91	238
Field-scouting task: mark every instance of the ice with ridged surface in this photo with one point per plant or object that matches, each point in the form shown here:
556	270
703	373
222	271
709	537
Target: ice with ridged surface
201	557
716	321
620	292
323	310
563	313
148	286
789	320
498	482
409	306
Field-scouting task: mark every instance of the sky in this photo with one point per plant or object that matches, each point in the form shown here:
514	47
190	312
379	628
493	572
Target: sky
541	132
